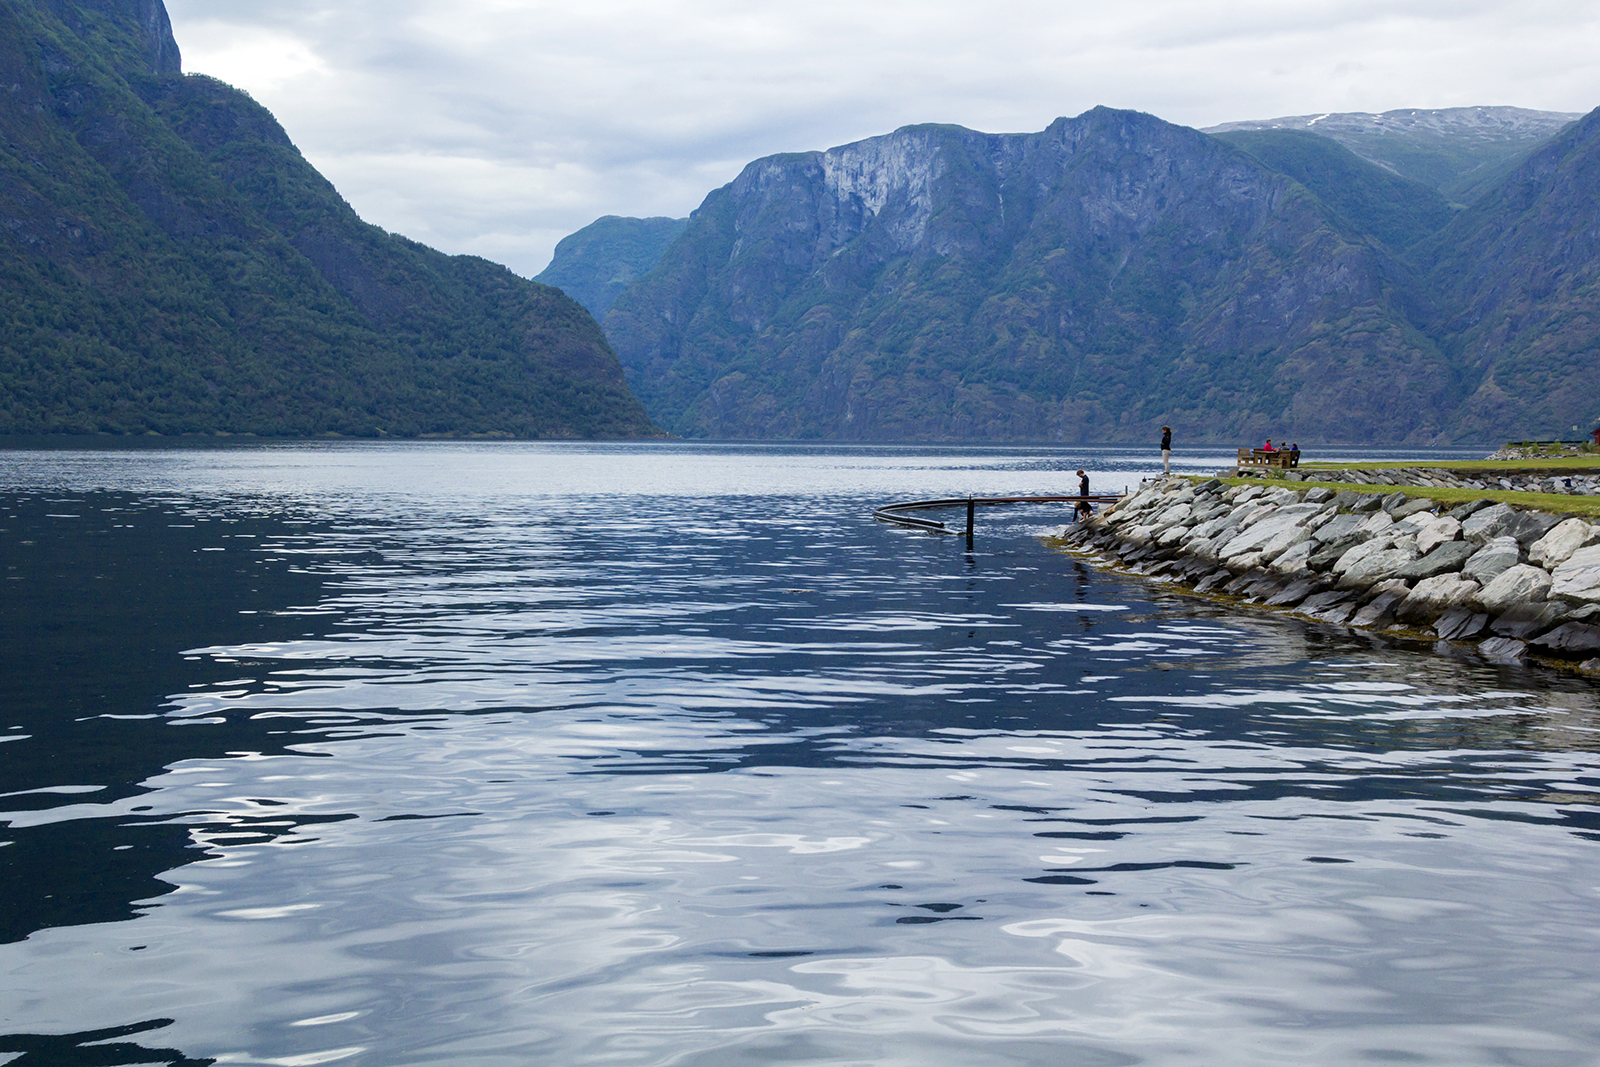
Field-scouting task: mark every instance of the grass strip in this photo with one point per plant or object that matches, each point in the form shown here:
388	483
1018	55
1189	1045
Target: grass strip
1554	503
1553	463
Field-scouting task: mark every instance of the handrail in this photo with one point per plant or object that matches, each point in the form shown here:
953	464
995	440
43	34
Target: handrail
891	512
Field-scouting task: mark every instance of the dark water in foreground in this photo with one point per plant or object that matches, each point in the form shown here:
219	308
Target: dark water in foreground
650	755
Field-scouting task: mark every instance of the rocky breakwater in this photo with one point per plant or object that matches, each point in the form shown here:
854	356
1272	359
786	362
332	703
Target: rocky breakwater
1514	582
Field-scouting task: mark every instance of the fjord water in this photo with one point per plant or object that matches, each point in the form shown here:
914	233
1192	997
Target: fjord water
471	754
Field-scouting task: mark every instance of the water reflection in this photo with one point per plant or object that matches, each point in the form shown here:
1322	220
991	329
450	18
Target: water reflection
655	778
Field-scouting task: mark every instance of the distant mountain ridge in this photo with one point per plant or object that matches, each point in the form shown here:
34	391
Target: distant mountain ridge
1458	150
172	264
595	264
1114	272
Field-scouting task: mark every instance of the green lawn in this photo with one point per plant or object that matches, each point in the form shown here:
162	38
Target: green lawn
1553	463
1555	503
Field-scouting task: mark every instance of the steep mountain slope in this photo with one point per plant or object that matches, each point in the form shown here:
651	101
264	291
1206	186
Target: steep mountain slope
1397	211
1107	275
172	264
1518	275
1460	151
594	265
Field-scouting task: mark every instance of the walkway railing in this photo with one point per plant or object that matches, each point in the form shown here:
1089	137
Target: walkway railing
895	513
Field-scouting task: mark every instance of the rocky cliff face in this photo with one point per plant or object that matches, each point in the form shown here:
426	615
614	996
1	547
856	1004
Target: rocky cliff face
594	265
172	264
1109	274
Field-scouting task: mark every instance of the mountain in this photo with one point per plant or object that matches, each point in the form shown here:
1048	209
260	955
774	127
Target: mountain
1398	211
1517	279
1461	151
1105	276
594	265
172	264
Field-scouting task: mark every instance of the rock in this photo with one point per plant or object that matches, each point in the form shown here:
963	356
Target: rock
1437	531
1365	503
1379	613
1465	511
1324	558
1590	665
1523	621
1460	624
1518	585
1578	579
1212	580
1347	498
1293	593
1377	524
1320	495
1332	606
1295	560
1268	529
1484	526
1493	559
1433	597
1175	514
1503	649
1208	487
1412	506
1530	526
1565	538
1572	639
1444	558
1362	566
1338	527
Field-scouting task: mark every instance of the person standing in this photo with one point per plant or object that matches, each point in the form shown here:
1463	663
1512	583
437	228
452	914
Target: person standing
1081	510
1166	450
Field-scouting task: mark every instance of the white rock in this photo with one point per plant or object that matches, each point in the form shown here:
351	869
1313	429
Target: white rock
1173	515
1378	523
1296	558
1521	584
1578	579
1256	536
1377	566
1437	531
1557	546
1437	595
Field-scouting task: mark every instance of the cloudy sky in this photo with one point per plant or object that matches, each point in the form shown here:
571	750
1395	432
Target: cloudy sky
497	127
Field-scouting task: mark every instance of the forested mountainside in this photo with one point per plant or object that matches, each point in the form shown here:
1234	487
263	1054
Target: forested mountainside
1115	273
1516	280
1460	151
594	265
172	264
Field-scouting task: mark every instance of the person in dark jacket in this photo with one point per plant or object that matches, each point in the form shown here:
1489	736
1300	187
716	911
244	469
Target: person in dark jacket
1081	509
1166	450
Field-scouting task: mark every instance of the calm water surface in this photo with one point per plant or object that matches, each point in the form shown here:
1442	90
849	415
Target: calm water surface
669	755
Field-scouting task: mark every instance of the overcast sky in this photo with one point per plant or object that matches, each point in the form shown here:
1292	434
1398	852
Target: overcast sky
499	126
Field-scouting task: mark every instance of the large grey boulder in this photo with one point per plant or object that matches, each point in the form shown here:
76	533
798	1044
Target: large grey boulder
1465	511
1378	612
1493	559
1578	579
1412	506
1565	538
1576	639
1340	528
1374	566
1532	525
1450	556
1522	621
1484	526
1434	596
1255	537
1173	515
1459	624
1503	649
1295	559
1522	584
1437	531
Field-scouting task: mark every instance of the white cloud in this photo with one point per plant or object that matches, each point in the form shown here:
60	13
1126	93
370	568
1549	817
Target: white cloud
498	126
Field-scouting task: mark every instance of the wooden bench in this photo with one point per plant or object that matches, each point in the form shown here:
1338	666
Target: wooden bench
1286	458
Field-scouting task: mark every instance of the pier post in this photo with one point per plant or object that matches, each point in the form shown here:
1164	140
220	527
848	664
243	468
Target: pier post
971	509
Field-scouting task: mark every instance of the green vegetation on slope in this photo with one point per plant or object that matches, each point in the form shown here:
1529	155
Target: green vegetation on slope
173	265
594	265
